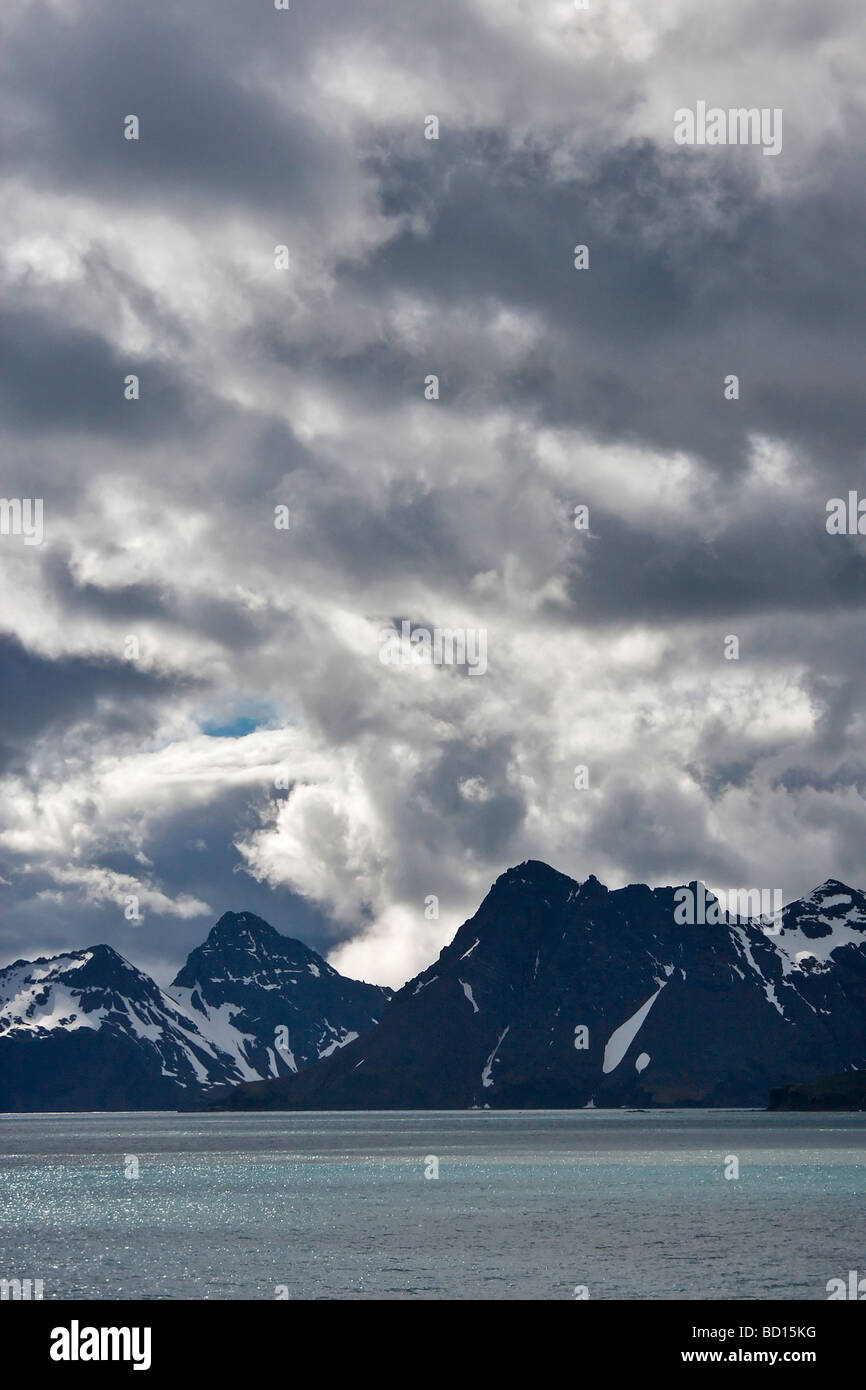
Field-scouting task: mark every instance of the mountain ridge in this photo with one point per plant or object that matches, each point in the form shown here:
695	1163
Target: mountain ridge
543	996
555	993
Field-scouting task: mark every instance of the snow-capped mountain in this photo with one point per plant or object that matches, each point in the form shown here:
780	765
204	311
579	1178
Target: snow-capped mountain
815	927
565	994
270	1002
88	1031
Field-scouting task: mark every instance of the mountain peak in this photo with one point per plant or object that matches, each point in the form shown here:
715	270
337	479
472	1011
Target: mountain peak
534	873
244	935
101	951
234	926
831	888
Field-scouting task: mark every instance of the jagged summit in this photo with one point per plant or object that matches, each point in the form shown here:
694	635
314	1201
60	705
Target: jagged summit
535	878
534	873
243	934
244	927
832	887
826	928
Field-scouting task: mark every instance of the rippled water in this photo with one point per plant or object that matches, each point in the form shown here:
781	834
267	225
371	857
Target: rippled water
526	1205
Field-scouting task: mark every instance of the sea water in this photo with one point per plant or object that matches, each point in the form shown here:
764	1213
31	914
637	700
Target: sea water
597	1204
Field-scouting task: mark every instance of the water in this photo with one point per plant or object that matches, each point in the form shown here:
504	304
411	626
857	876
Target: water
527	1204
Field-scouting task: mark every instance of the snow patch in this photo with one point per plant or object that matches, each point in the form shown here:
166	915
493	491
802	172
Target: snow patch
486	1078
218	1028
622	1038
739	933
467	990
338	1042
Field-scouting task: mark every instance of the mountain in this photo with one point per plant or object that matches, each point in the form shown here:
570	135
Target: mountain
88	1031
247	981
563	994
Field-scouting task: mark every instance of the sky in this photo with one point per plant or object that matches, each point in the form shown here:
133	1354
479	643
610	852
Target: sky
195	715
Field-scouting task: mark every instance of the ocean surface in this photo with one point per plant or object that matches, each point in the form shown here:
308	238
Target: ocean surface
531	1204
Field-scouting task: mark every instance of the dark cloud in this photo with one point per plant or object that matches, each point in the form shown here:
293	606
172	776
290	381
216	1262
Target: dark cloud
637	573
62	379
42	694
208	133
695	272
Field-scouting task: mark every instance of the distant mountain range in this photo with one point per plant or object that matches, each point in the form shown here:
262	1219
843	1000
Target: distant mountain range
555	994
88	1031
565	994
